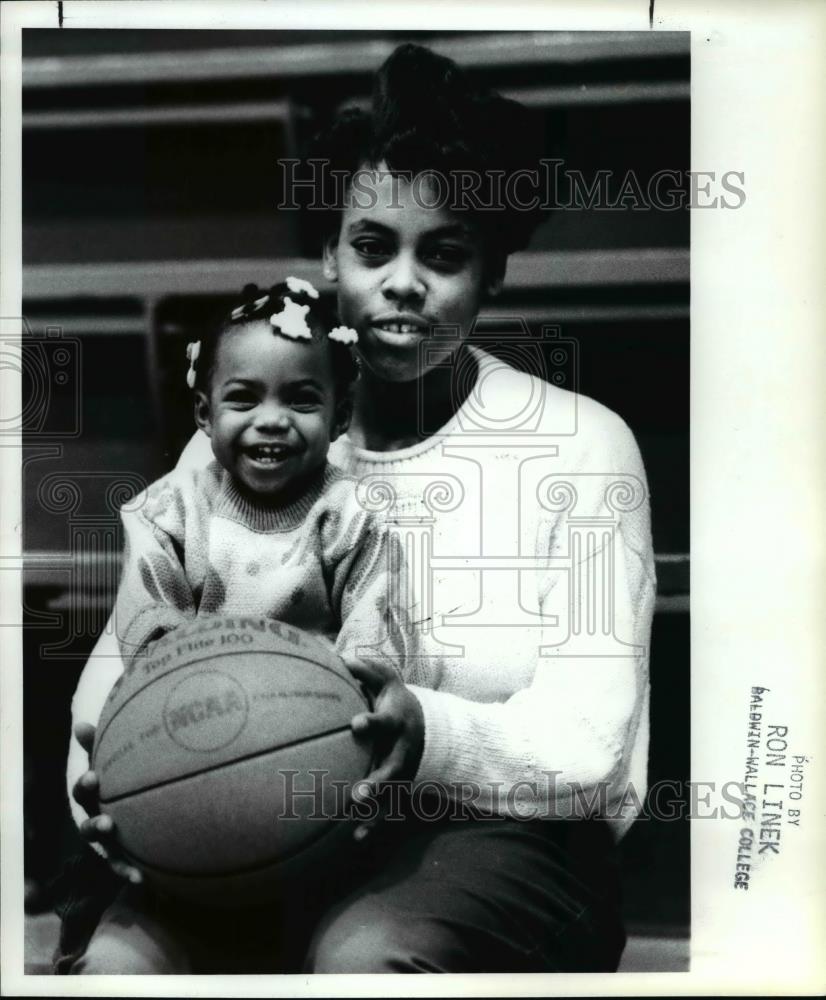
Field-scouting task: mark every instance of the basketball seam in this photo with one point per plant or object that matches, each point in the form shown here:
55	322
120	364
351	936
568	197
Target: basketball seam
223	764
303	659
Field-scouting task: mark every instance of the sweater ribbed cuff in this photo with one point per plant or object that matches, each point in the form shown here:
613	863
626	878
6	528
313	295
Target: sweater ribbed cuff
435	764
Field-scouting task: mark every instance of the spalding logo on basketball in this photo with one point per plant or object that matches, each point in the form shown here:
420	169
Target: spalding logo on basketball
226	757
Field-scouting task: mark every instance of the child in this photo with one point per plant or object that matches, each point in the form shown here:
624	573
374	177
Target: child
268	527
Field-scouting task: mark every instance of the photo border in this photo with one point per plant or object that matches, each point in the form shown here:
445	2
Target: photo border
758	468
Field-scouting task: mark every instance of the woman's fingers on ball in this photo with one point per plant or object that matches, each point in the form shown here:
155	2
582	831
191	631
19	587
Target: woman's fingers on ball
360	723
101	830
362	789
389	769
126	871
104	824
375	724
85	735
372	673
97	828
363	830
355	666
85	793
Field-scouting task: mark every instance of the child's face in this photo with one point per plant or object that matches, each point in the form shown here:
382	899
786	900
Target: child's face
271	410
403	268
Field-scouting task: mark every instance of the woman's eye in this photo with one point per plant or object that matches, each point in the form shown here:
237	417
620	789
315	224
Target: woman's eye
448	255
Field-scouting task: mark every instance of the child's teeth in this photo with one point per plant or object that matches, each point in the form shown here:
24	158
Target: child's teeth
268	451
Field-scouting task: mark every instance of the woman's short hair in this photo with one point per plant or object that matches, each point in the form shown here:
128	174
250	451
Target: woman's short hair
427	116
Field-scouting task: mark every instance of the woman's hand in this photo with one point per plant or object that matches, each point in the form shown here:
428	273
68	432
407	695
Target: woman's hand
99	828
395	727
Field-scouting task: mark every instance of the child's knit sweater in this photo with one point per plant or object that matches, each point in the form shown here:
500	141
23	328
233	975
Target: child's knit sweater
525	524
195	545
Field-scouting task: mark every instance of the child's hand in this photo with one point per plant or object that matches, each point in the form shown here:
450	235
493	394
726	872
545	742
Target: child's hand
395	726
99	827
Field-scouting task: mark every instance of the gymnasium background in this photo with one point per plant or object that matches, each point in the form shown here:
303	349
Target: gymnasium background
149	193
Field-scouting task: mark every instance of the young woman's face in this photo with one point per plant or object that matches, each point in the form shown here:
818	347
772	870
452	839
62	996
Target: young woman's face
271	409
402	269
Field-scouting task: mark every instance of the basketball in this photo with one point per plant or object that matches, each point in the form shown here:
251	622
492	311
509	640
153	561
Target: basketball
225	758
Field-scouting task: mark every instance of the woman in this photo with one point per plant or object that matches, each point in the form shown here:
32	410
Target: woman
526	513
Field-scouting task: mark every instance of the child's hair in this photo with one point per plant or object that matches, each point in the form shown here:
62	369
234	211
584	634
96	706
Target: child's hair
255	304
427	116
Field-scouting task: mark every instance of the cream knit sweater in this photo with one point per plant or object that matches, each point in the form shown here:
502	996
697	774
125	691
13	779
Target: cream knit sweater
525	525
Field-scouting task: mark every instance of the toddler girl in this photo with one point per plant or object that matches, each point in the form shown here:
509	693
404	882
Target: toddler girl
268	527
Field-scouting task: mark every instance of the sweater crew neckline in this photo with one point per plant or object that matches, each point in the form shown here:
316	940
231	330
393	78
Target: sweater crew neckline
262	517
483	362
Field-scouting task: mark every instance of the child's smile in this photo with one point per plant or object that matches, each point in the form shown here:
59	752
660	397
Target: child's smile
271	408
268	457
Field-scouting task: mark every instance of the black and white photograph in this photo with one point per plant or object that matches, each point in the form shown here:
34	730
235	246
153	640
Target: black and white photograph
355	388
